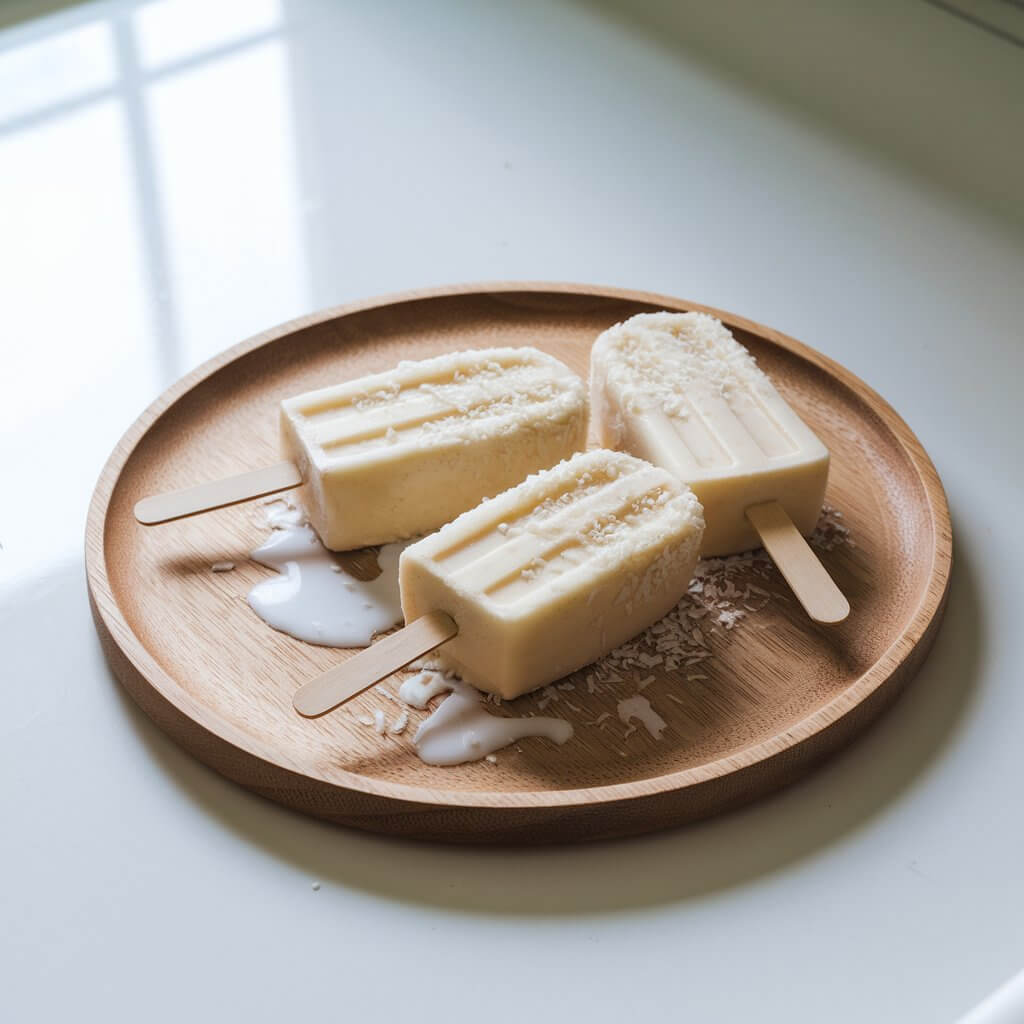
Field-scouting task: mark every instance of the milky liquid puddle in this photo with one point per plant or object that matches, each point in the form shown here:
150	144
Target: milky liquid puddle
313	599
460	730
639	708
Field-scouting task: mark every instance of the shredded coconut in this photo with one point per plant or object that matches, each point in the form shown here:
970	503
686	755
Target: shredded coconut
470	397
830	532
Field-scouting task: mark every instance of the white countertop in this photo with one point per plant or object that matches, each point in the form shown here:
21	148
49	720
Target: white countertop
175	176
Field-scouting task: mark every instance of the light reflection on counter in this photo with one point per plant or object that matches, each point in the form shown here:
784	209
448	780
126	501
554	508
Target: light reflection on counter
149	179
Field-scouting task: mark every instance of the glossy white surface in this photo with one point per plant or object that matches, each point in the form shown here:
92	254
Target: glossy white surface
174	180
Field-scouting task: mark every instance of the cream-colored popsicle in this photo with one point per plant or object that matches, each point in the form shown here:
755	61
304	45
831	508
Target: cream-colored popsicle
679	390
557	571
399	453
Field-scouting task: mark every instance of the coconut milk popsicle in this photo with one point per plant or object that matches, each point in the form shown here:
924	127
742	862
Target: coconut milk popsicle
541	580
399	453
679	390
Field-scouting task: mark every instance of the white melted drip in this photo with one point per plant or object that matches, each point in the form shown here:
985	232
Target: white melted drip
461	730
419	690
313	599
640	709
283	512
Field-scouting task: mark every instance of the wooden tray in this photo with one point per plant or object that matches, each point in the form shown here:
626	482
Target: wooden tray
777	696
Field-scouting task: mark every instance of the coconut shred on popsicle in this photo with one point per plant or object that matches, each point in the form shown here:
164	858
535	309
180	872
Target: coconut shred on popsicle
678	390
537	582
397	454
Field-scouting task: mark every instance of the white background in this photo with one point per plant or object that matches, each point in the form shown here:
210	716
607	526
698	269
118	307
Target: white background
175	176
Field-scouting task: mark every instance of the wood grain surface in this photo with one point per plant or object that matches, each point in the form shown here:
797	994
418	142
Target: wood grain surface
778	695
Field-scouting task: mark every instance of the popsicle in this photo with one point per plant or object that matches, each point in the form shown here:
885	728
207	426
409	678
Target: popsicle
399	453
537	582
679	390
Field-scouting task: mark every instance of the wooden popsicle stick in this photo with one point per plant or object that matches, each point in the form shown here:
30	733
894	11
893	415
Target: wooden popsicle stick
162	508
814	588
360	672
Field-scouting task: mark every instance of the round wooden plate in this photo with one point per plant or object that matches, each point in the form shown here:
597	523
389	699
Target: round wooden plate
777	695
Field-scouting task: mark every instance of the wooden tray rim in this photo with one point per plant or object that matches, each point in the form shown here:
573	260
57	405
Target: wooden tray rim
931	604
